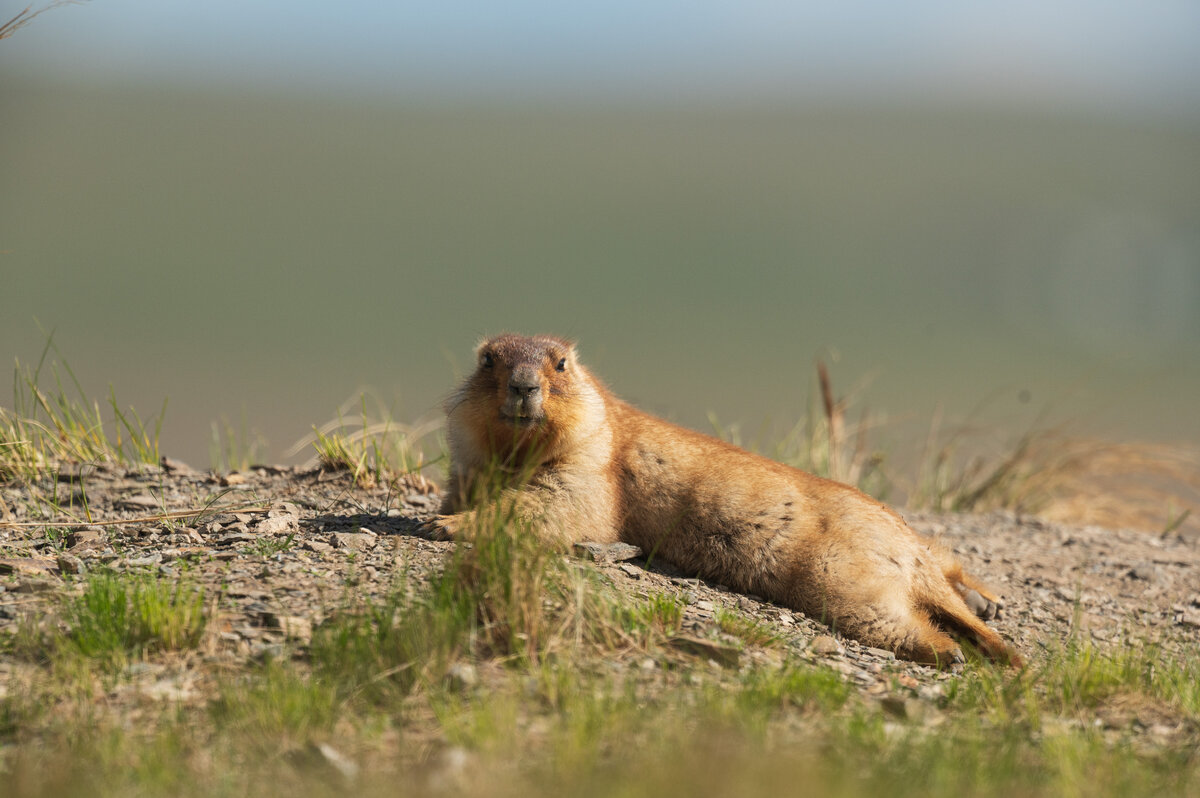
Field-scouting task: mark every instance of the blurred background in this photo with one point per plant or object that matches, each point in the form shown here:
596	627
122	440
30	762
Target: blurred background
257	209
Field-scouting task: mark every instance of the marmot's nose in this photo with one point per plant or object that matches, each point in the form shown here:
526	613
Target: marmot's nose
524	383
523	389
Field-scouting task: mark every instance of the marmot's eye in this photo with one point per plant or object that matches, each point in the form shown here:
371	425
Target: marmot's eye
562	365
488	362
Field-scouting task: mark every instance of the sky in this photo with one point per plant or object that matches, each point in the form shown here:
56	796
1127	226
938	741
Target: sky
1140	56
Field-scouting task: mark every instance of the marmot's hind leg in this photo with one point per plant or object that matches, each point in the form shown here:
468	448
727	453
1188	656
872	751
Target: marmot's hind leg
923	628
906	631
952	611
979	598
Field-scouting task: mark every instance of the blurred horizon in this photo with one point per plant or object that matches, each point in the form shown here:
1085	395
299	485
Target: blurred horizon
1136	59
254	211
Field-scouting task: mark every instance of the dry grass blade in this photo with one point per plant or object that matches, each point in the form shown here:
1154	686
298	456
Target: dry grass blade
174	515
28	15
1046	472
374	448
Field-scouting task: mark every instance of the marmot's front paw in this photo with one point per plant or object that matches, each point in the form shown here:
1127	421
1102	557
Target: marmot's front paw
444	527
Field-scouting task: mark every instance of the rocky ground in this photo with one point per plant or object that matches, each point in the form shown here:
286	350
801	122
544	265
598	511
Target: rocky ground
283	547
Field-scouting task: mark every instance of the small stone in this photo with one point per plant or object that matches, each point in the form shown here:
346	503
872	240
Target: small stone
607	552
786	619
632	571
34	586
338	761
881	653
140	501
235	538
727	656
89	537
419	500
294	627
910	709
362	540
462	676
278	525
1069	596
70	564
168	690
318	546
143	562
28	566
173	466
825	645
1146	572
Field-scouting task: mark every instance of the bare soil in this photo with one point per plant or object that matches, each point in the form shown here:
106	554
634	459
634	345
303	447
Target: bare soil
292	545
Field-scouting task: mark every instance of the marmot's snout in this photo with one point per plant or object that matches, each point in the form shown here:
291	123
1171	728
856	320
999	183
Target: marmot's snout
524	401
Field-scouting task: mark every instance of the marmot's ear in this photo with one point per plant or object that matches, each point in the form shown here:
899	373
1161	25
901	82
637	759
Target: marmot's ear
484	341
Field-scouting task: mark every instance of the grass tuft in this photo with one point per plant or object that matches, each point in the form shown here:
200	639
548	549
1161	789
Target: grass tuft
117	617
53	425
375	448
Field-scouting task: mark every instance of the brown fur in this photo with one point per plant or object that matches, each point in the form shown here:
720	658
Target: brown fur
576	463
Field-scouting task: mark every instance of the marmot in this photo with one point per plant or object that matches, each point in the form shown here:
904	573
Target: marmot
579	464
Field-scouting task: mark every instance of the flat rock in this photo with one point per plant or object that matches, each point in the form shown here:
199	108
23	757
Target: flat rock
354	541
724	654
607	552
294	627
278	525
70	564
91	536
825	645
28	566
140	501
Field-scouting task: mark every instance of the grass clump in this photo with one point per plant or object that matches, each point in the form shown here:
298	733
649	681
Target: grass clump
660	614
1050	473
51	425
748	630
375	448
117	617
233	448
275	707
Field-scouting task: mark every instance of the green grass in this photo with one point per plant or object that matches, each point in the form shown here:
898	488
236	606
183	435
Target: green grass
559	718
233	448
375	448
54	424
752	632
118	617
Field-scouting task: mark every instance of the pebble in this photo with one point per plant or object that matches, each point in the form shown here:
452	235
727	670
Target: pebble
607	552
825	645
363	540
293	627
278	525
91	536
461	677
905	708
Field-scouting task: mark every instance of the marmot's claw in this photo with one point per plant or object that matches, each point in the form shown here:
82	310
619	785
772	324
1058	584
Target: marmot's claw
440	528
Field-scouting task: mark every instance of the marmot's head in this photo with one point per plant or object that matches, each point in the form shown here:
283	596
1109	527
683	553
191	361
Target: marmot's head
523	391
